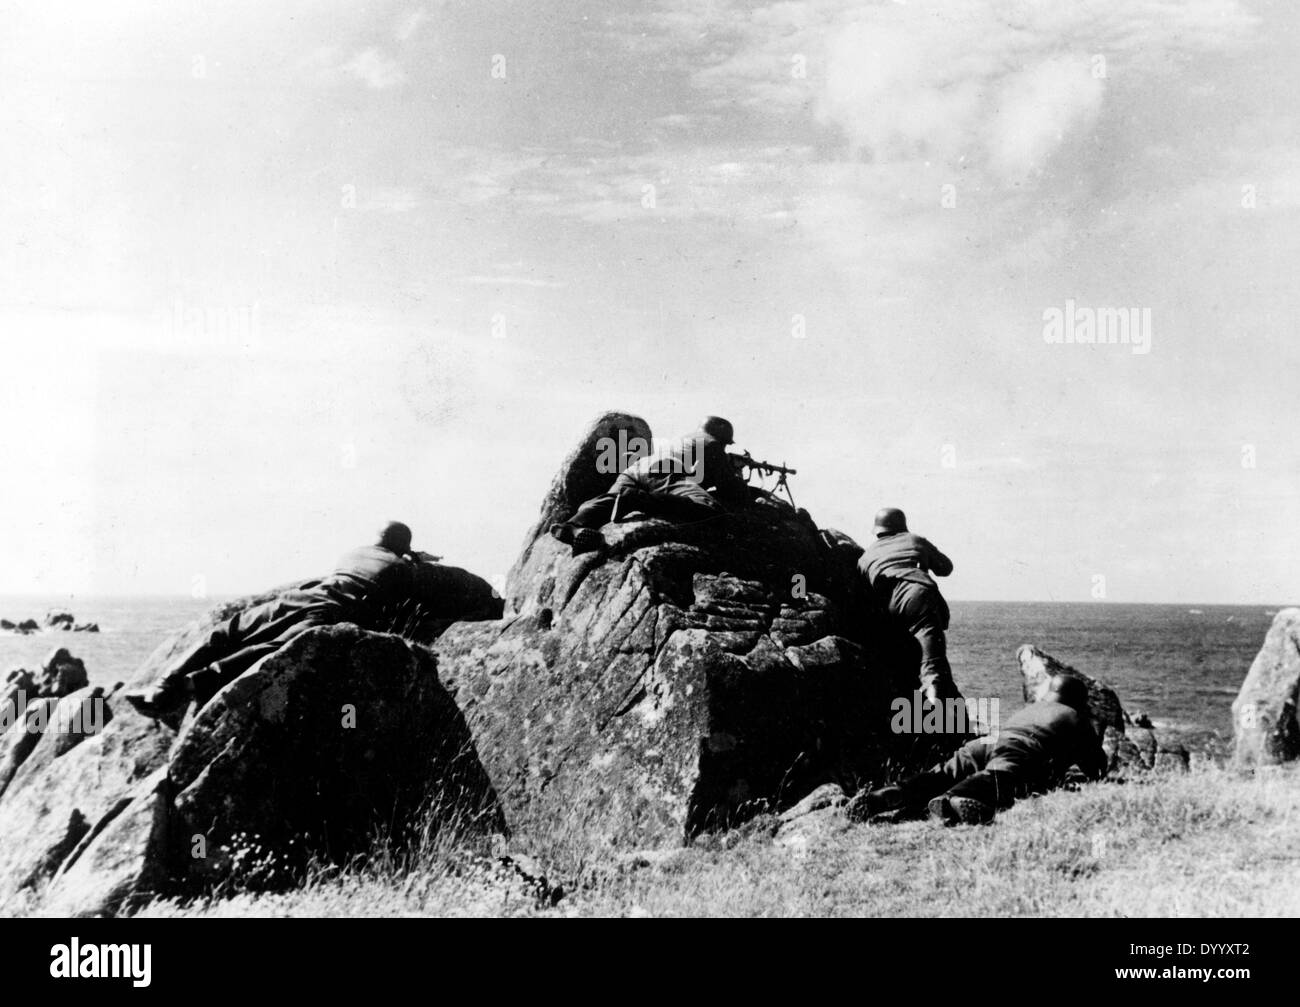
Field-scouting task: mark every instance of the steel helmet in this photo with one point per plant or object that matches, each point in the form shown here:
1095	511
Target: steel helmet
716	426
1070	690
395	536
890	520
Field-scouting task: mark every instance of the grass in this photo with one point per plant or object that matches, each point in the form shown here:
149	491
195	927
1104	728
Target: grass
1207	843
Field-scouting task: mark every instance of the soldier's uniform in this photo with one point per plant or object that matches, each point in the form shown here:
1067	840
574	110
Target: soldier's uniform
363	582
1032	753
689	480
897	567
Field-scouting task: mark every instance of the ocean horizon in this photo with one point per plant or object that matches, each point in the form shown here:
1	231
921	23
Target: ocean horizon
1180	663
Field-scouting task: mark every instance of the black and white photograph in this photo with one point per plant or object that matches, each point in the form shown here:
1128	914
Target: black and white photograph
651	459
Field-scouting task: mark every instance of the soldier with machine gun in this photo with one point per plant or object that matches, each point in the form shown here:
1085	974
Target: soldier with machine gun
692	479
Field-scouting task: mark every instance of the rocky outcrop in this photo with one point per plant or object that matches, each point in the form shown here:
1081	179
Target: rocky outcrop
680	679
1131	745
1037	670
54	622
341	735
55	699
1264	714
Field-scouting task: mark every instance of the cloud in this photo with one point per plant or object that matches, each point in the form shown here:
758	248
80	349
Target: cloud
327	66
374	69
1001	84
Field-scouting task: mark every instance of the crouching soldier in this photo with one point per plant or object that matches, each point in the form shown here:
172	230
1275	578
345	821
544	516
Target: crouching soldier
1035	751
691	479
897	570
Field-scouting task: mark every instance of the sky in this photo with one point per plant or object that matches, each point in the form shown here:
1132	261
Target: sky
274	272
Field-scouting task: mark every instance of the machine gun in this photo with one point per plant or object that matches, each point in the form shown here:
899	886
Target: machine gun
746	464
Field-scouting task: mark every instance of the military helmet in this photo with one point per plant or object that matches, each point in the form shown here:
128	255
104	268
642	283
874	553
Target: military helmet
1069	690
890	520
395	536
716	426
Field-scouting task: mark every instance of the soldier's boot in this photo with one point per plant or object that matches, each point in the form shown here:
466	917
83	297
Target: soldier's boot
163	701
581	540
966	810
869	803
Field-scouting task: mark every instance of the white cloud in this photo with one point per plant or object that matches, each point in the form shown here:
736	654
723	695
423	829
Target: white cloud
374	69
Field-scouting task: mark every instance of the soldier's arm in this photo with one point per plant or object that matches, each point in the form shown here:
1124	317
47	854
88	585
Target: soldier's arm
940	565
720	470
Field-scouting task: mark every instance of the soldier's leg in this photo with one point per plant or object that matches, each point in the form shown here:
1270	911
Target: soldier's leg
207	681
594	512
687	501
192	671
925	613
1008	775
917	791
581	530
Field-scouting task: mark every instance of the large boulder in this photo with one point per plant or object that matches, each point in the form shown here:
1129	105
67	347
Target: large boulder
361	734
683	677
341	735
1264	716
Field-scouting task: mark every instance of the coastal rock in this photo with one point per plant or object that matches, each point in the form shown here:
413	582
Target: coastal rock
1264	715
61	674
59	620
86	627
1131	744
124	858
23	731
69	721
360	733
53	702
7	624
341	733
45	815
584	474
680	679
27	626
1037	669
828	795
19	685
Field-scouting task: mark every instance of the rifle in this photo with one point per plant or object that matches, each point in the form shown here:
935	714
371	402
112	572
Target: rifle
747	463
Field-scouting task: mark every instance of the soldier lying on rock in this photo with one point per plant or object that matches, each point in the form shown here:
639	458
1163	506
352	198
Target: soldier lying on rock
1041	747
366	582
692	479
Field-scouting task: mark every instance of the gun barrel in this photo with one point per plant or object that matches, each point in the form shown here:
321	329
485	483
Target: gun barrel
769	467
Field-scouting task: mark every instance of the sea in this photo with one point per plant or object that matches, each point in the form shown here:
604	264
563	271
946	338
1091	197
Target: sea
1181	664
